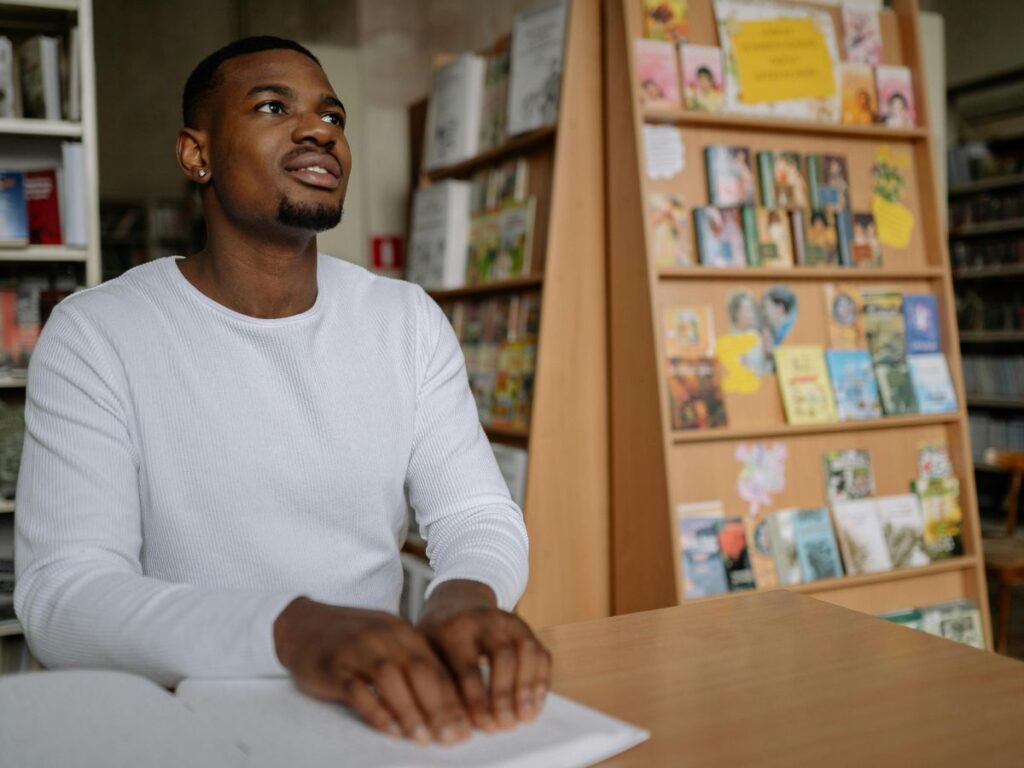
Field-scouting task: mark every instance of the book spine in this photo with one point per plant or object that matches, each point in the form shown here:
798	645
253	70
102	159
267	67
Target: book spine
711	173
750	240
812	180
700	225
796	219
766	175
844	235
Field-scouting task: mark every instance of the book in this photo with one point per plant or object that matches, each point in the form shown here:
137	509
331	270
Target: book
783	182
703	571
820	239
72	188
933	387
829	182
732	543
701	67
860	102
959	621
43	207
656	73
942	516
895	388
8	91
782	535
494	101
804	383
933	460
896	96
730	176
860	537
14	231
921	321
73	92
848	475
671	241
799	222
39	63
843	304
689	331
884	329
770	242
903	528
535	83
695	393
760	551
911	618
816	545
720	237
438	237
862	34
853	384
513	383
665	20
865	248
512	462
453	112
515	240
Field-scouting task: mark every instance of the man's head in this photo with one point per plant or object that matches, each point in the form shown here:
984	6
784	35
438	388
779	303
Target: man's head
264	135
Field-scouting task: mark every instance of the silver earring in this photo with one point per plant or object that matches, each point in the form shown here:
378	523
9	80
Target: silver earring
202	172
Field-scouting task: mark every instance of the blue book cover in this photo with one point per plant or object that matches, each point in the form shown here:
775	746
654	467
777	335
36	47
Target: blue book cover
816	546
921	316
853	383
730	173
13	210
703	569
933	386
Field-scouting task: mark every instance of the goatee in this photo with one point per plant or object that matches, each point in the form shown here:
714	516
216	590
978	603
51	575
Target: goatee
317	217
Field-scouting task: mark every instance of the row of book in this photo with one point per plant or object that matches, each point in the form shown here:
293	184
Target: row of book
25	304
988	431
41	77
987	252
1001	309
45	206
12	436
998	205
6	588
959	621
477	101
975	161
994	375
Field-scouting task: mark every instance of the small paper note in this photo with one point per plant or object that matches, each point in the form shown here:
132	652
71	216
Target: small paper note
895	222
736	352
663	151
782	59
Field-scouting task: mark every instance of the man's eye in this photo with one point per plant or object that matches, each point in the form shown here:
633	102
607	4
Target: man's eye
334	118
271	107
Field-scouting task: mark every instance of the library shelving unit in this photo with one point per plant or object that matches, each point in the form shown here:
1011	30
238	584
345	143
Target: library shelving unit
655	468
27	144
566	503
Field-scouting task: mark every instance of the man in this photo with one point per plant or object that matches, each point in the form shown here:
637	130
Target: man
219	449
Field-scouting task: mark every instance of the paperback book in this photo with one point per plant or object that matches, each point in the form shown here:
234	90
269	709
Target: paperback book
720	237
803	380
701	66
493	110
884	329
760	551
820	239
535	83
861	538
8	91
860	103
14	232
862	34
730	176
942	516
43	207
671	241
695	393
732	542
865	249
903	527
816	545
853	384
39	63
439	236
896	389
702	568
768	235
453	113
933	387
656	73
689	331
783	183
921	320
896	96
843	303
665	20
959	621
848	475
782	535
830	182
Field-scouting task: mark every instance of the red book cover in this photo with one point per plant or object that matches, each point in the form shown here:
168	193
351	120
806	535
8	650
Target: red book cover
43	210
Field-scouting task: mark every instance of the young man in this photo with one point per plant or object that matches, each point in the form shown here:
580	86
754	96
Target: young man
220	449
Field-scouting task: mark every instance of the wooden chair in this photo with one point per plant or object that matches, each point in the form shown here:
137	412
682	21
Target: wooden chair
1004	555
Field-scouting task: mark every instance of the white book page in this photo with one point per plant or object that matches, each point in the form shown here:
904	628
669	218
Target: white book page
279	726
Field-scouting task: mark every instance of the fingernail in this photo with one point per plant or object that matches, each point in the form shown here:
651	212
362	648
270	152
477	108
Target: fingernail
526	709
505	717
485	722
421	735
392	729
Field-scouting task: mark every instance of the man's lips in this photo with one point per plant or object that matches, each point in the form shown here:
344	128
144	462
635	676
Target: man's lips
315	169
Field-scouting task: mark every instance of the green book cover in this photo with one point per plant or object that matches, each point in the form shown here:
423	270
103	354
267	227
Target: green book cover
766	175
750	241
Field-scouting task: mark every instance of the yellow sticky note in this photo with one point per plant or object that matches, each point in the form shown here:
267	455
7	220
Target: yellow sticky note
740	354
894	221
781	60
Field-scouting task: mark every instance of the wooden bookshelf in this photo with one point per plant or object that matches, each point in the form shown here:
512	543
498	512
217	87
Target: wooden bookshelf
980	401
987	185
488	289
988	228
654	467
987	273
515	146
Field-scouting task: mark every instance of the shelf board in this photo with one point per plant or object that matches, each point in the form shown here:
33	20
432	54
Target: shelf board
512	433
980	337
799	273
682	117
983	466
847	582
981	401
486	289
997	270
514	146
983	185
10	628
12	382
987	228
790	430
6	506
43	253
22	126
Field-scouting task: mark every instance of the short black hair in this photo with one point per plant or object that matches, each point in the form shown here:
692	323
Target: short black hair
205	78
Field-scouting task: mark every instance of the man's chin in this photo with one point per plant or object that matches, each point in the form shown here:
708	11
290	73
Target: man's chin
312	217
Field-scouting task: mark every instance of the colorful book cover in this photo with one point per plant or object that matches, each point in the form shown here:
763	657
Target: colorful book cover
536	66
788	181
515	240
911	618
804	382
671	241
830	182
701	66
702	569
730	176
820	240
494	107
896	389
842	302
665	20
844	234
959	621
656	73
896	96
774	243
853	384
732	542
884	329
933	460
782	534
720	239
799	221
759	549
860	103
860	537
943	518
43	208
848	475
865	247
689	331
816	545
765	179
933	386
921	318
695	393
903	528
862	35
14	231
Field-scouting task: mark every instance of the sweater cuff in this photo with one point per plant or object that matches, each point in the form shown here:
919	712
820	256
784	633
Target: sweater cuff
506	582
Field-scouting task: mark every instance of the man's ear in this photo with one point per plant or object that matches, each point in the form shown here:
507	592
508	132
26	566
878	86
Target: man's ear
191	152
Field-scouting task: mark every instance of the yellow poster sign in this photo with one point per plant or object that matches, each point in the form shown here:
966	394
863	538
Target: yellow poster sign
781	60
894	221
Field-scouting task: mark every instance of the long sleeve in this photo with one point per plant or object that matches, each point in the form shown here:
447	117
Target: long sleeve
472	527
81	593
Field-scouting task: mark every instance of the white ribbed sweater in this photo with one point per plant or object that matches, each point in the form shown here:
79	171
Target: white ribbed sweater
189	470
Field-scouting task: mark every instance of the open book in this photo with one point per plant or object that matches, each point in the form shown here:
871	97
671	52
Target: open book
113	719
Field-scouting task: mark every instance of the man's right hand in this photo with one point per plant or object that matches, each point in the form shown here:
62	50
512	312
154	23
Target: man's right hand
375	663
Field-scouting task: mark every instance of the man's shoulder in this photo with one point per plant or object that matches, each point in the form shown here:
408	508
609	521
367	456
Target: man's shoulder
359	283
127	295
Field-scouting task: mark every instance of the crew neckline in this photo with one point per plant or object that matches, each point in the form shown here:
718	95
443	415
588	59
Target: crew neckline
186	286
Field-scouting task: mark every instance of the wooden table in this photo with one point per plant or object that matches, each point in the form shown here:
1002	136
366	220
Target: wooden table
782	679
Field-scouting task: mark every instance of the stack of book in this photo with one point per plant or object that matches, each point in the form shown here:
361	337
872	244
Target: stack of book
993	375
41	78
1004	433
45	206
25	304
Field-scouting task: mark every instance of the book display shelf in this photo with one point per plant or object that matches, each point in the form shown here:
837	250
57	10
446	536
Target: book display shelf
656	467
565	429
29	144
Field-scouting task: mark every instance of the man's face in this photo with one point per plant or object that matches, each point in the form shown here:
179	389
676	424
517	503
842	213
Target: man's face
277	141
